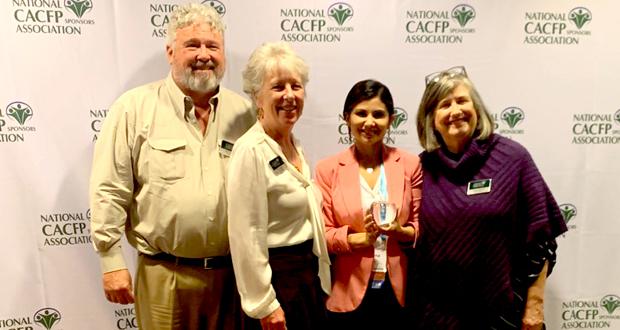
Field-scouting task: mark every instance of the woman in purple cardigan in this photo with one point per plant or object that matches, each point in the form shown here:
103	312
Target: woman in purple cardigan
488	218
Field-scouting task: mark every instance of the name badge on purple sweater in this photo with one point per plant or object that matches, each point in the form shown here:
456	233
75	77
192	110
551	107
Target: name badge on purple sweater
476	187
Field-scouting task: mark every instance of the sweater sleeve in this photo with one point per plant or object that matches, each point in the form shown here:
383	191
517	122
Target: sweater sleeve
543	218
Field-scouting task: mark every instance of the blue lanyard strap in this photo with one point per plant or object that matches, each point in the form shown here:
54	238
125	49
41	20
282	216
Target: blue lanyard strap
379	277
383	193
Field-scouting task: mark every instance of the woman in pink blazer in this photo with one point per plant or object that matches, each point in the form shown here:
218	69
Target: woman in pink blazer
369	266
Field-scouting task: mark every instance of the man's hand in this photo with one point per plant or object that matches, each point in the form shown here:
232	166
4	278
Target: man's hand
117	287
274	321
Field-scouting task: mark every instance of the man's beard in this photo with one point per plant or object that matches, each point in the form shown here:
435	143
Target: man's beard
200	82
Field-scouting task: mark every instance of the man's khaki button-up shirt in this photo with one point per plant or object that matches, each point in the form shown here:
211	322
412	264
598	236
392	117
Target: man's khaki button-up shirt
155	175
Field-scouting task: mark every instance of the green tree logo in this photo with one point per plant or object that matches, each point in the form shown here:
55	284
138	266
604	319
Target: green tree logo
217	5
340	12
610	302
569	211
400	116
580	16
617	117
463	14
512	116
47	317
79	7
19	111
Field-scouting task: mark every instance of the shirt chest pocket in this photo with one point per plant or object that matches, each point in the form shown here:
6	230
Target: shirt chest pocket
167	158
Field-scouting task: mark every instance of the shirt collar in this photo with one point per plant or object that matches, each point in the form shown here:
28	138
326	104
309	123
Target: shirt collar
184	105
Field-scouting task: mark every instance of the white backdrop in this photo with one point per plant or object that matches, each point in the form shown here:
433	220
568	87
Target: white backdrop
547	70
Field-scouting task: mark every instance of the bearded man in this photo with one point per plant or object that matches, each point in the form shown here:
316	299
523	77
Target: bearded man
158	175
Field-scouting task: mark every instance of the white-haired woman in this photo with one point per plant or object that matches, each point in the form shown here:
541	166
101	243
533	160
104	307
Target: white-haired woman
276	232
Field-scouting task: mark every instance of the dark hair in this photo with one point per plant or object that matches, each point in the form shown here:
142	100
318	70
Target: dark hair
365	90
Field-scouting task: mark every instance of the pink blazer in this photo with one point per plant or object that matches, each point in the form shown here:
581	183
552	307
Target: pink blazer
339	180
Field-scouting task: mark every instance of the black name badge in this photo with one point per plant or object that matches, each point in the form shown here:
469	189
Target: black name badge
226	148
479	187
276	162
227	145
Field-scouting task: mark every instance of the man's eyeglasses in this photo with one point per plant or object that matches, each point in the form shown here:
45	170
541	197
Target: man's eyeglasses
452	72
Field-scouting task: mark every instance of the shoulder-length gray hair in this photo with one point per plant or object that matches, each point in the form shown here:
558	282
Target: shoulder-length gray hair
268	57
435	91
188	14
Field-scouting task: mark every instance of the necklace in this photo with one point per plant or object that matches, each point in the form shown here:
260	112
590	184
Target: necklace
369	170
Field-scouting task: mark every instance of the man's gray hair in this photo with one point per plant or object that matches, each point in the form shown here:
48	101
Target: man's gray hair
188	14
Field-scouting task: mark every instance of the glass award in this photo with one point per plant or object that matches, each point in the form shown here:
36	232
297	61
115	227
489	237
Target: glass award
383	213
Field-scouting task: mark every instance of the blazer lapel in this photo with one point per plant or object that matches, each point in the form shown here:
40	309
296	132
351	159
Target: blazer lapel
349	184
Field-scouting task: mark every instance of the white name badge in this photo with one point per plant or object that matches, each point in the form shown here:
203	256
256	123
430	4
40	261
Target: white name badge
476	187
380	261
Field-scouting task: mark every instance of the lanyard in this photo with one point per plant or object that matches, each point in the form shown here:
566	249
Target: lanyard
383	185
380	255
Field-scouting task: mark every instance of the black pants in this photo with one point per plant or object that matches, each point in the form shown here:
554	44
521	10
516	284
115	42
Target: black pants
298	288
379	310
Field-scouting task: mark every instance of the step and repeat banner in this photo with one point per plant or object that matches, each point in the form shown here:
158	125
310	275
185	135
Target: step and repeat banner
549	72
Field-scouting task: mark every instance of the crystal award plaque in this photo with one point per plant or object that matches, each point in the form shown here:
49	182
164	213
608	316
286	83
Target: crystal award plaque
383	213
